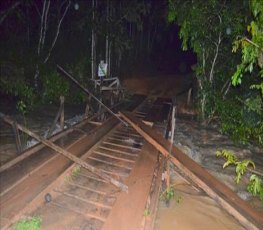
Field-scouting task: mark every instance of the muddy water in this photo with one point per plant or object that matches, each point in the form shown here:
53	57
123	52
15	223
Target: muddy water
192	209
38	121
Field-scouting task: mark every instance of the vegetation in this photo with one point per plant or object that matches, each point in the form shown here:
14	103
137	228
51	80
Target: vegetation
255	185
226	37
33	223
74	173
210	29
38	35
146	212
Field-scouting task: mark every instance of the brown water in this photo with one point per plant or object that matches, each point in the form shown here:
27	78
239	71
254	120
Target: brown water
191	209
195	210
39	121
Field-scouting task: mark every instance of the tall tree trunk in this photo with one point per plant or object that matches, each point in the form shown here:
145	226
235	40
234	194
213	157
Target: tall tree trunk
93	43
107	36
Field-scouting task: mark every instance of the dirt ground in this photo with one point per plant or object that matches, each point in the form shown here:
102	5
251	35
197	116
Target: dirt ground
167	86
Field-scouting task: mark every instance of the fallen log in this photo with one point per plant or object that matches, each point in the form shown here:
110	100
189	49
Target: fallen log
67	154
226	198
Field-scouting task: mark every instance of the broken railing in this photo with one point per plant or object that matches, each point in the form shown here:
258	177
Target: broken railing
66	154
69	76
229	200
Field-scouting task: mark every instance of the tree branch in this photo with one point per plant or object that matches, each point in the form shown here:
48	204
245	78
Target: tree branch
7	11
216	52
57	33
35	5
41	28
45	25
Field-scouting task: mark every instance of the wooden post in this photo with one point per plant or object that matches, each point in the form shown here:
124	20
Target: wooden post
68	155
62	114
229	200
173	121
88	107
17	138
171	139
189	95
61	70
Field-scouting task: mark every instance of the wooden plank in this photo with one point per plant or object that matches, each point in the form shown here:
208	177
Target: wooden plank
17	138
108	163
226	198
55	173
86	188
154	196
114	157
85	215
127	212
119	151
121	146
32	150
86	200
68	155
60	114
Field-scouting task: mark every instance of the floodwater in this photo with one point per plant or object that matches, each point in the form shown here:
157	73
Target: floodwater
39	121
191	209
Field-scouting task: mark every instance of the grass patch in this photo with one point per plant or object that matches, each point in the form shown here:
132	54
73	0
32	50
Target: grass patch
30	223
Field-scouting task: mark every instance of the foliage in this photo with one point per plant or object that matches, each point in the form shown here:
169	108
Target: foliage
146	212
37	36
54	86
25	94
252	64
209	29
33	223
255	185
251	47
243	123
168	194
74	173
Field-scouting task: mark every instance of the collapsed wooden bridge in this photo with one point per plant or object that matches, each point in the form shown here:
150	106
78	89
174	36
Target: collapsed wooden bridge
103	176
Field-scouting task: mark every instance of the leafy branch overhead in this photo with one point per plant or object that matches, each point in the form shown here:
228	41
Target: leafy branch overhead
214	31
251	47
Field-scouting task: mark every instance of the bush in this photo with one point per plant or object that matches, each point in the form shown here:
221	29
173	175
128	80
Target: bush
54	86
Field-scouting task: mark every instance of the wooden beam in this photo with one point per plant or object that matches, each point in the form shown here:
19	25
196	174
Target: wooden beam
67	154
60	114
226	198
17	138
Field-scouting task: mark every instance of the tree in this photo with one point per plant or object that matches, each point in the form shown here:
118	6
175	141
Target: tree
252	63
209	28
42	56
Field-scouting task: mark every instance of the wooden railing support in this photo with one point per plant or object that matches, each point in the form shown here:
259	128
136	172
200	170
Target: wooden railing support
17	138
225	197
60	114
67	154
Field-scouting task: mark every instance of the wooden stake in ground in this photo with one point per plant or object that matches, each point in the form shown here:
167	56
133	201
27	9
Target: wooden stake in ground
67	154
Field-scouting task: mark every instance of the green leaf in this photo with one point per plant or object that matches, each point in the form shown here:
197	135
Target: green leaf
255	185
